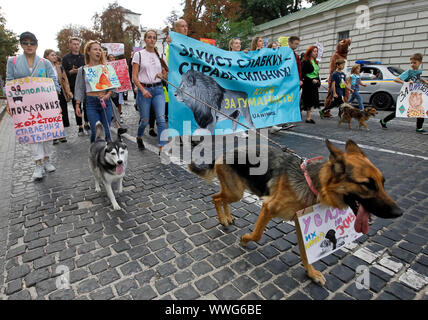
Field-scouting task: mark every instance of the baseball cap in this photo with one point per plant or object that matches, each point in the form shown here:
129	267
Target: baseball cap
27	35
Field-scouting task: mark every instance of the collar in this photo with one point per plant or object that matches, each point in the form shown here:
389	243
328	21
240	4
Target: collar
303	166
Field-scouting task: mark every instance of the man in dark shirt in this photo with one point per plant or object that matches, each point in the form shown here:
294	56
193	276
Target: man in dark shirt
71	62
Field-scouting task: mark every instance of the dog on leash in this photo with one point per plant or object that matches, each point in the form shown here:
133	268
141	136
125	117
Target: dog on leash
346	179
348	112
108	161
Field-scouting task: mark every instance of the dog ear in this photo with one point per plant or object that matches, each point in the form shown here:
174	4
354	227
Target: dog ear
335	153
352	147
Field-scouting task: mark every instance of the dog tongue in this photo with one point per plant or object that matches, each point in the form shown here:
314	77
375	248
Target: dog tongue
119	169
362	221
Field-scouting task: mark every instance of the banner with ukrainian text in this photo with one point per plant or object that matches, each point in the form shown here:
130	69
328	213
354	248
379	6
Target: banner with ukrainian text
258	88
35	109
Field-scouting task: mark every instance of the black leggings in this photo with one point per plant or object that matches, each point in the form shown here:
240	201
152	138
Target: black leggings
419	121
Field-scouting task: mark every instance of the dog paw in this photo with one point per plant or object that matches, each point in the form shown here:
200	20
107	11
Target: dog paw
245	239
316	276
116	206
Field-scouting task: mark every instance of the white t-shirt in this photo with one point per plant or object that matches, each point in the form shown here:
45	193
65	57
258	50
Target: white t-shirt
150	66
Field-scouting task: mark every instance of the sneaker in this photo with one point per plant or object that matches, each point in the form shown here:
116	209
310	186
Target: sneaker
87	127
64	139
121	131
310	121
38	172
136	107
55	141
421	131
287	126
383	124
274	129
48	166
321	114
81	132
140	144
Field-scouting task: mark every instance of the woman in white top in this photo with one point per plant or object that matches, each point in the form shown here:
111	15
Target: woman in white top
147	70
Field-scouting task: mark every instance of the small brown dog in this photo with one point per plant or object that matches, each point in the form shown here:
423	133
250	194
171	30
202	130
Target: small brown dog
348	112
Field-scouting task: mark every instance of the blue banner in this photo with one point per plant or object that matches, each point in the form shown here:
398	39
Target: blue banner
258	88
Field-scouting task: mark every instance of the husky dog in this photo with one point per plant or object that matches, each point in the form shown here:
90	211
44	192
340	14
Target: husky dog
107	161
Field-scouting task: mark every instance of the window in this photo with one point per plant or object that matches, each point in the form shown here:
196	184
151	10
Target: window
370	73
343	35
395	71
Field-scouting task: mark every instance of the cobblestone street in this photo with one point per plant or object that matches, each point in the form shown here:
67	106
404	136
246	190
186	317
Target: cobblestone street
167	243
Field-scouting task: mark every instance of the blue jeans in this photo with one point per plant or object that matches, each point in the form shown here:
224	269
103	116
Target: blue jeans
96	113
356	95
158	103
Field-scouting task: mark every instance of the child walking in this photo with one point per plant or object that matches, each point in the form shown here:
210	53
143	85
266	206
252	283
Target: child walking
355	85
338	86
411	75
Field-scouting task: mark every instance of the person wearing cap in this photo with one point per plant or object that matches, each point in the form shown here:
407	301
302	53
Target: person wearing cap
29	64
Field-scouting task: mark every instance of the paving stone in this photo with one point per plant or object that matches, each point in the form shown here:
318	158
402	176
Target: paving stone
290	258
67	294
276	267
87	286
98	267
183	261
125	286
77	275
224	276
186	293
13	287
36	276
44	262
386	296
316	292
144	293
341	296
18	272
343	273
145	277
391	264
269	251
228	293
400	291
43	288
271	292
244	284
103	294
166	269
121	246
413	279
206	285
33	255
21	295
286	283
403	255
108	277
201	268
130	268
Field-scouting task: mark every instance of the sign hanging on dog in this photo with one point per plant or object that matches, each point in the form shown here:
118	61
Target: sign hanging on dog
412	102
258	88
326	230
35	109
102	77
121	69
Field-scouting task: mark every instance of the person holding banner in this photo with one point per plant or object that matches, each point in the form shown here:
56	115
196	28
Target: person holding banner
98	103
71	62
411	75
65	94
31	65
147	71
311	82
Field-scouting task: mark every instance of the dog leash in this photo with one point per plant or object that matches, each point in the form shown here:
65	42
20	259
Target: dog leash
284	149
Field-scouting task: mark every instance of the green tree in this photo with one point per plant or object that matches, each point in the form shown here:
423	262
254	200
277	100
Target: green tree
228	29
8	46
70	31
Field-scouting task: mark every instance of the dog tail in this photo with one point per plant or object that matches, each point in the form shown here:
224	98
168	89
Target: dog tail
99	131
205	171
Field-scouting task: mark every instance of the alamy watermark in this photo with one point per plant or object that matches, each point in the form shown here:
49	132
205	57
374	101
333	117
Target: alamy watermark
363	18
253	150
63	280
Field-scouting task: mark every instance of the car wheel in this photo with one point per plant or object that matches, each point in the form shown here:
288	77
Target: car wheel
382	101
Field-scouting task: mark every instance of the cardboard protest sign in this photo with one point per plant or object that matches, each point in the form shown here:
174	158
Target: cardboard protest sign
412	102
121	68
259	88
102	77
326	230
116	49
35	109
209	41
283	41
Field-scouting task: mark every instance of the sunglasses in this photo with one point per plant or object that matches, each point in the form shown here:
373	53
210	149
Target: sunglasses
26	43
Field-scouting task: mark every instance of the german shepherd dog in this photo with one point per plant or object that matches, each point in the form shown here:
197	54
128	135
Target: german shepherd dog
108	161
348	112
346	179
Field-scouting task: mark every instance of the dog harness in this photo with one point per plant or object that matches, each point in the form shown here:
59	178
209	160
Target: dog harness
303	166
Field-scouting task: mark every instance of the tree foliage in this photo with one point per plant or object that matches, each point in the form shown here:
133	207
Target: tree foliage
8	45
109	26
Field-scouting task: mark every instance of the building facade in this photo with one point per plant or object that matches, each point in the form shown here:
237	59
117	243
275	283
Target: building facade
389	31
